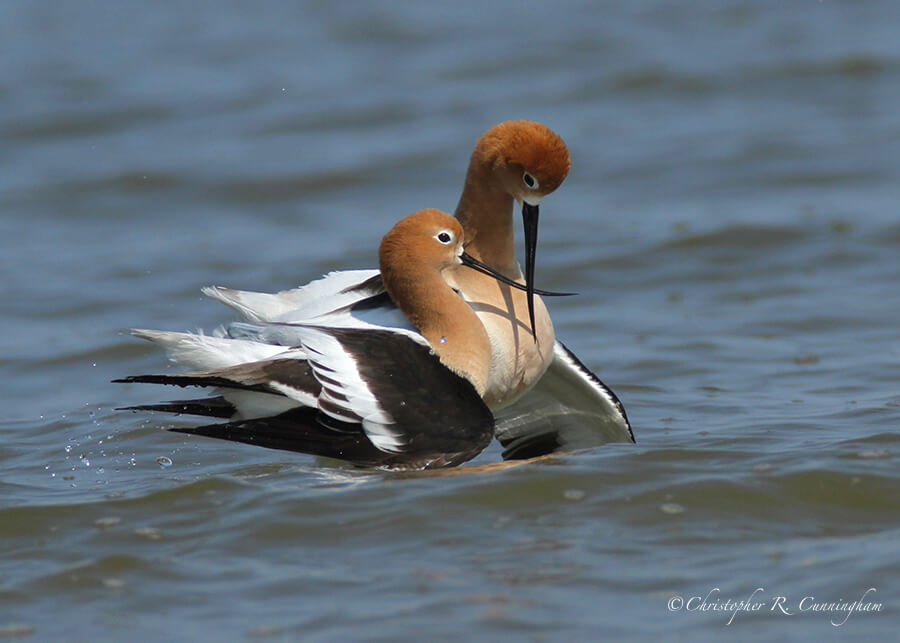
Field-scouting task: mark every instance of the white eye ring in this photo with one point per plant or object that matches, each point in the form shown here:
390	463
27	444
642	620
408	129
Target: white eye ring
530	182
444	236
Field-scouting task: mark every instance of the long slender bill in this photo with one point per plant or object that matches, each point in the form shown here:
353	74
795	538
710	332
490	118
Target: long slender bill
474	264
530	219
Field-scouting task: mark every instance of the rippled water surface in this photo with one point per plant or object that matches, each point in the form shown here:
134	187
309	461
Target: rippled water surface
731	223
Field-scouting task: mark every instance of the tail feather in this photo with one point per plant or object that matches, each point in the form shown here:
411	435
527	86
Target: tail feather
217	407
300	431
208	352
191	379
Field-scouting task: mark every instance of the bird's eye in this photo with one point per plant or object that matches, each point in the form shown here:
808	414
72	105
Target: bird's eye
444	237
530	181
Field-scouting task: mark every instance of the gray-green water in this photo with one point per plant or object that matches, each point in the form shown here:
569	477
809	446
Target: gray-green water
731	222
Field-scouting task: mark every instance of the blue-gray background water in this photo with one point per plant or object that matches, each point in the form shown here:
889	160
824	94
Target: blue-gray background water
731	222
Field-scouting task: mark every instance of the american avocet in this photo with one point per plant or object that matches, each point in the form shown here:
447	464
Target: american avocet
566	406
544	399
366	385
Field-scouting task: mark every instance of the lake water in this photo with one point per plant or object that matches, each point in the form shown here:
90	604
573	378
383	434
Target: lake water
731	223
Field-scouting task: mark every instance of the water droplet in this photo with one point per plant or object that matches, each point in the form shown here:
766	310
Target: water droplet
671	508
163	461
68	448
443	340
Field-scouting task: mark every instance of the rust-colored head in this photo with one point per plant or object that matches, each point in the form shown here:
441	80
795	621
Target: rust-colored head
530	159
426	240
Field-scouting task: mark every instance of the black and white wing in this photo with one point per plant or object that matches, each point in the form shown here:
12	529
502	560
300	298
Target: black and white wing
371	397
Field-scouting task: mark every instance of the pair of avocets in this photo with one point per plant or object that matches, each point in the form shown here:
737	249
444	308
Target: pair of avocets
418	365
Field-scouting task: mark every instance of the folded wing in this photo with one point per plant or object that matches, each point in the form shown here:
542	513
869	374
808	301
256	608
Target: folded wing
567	410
